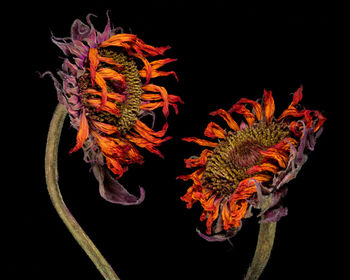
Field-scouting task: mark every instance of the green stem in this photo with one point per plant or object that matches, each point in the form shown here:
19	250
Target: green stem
57	200
263	250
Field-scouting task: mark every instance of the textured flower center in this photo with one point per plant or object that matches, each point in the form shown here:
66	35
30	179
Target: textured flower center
131	92
237	153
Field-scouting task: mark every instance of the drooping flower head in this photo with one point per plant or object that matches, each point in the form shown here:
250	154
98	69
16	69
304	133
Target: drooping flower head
250	164
106	87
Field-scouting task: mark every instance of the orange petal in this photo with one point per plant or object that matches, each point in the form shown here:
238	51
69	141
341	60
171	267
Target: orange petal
241	109
200	141
110	61
269	105
142	126
151	106
262	168
277	155
157	64
119	40
244	191
144	143
107	144
198	162
109	74
110	95
114	165
94	61
148	49
163	93
213	214
151	96
151	135
174	98
256	106
105	128
227	117
102	84
108	106
213	130
290	112
147	68
82	134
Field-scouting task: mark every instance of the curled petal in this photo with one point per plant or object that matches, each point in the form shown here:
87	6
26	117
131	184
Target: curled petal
200	161
227	117
147	69
213	130
256	106
297	96
156	73
195	176
320	120
241	109
112	191
274	215
119	40
275	154
145	143
141	126
163	93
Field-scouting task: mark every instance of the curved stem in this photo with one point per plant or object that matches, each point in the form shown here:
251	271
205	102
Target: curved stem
263	250
57	200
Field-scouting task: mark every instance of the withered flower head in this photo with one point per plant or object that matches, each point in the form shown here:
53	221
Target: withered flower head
106	87
250	164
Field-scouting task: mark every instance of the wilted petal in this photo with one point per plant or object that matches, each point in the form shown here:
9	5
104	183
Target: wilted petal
220	237
112	191
274	215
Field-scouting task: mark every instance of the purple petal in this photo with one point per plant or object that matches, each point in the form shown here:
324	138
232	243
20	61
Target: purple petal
79	30
275	199
292	169
112	191
274	215
219	237
107	33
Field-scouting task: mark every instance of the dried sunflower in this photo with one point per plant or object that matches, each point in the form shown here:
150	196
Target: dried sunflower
250	164
106	88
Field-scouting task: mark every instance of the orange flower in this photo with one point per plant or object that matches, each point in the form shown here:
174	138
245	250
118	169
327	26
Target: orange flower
250	164
107	91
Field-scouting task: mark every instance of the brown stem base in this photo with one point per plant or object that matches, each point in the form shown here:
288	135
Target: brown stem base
57	200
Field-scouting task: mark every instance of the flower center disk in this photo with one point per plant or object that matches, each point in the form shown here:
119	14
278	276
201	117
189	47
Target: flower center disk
130	92
237	153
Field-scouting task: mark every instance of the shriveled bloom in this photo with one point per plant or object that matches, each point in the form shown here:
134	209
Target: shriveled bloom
107	88
250	163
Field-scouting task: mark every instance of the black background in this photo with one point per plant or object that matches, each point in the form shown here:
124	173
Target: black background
230	52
